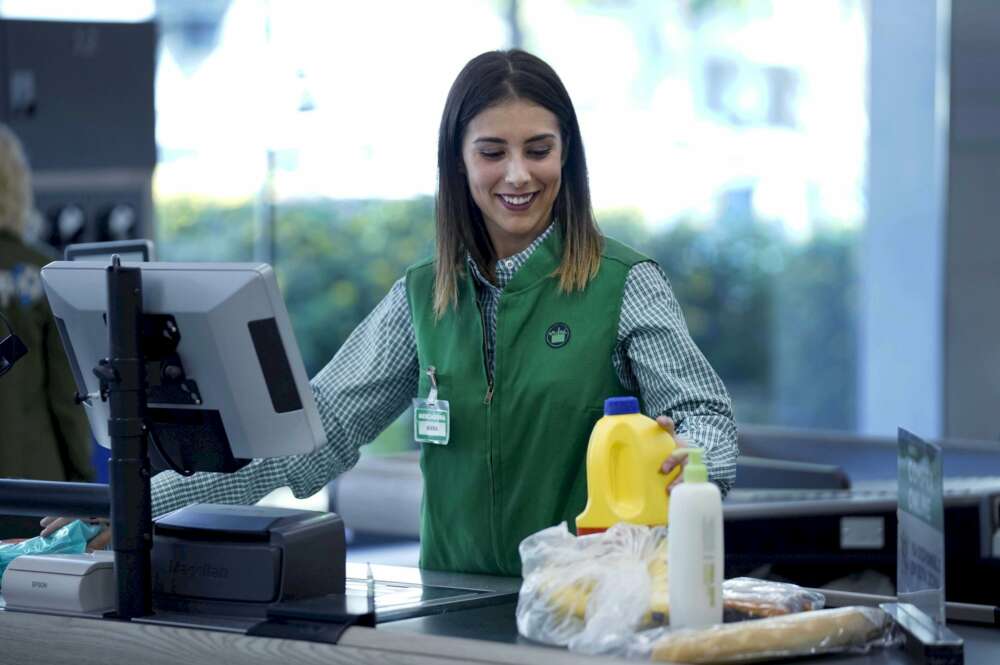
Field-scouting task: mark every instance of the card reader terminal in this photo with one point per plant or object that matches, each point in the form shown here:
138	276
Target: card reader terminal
238	560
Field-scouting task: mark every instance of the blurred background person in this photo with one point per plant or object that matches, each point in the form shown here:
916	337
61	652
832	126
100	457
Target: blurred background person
44	434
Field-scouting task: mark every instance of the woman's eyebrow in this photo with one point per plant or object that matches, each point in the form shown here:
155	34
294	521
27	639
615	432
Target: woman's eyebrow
541	137
495	139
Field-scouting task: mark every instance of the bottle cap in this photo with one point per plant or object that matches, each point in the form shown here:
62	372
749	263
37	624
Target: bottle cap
694	470
616	406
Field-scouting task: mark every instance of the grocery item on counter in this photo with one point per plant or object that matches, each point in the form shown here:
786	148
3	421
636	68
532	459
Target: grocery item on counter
609	593
803	634
568	593
572	584
695	557
624	483
751	598
578	590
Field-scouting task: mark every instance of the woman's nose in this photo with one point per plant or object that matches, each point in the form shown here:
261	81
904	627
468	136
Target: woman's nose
517	174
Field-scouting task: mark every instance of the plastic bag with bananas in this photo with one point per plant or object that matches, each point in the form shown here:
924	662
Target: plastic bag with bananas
603	586
607	593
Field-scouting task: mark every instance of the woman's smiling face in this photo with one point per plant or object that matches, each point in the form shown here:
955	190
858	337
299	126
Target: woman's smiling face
513	155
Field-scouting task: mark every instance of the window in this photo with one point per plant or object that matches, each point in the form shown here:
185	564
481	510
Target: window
727	139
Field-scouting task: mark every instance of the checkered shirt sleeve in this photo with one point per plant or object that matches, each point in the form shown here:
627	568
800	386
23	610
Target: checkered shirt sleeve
656	356
361	391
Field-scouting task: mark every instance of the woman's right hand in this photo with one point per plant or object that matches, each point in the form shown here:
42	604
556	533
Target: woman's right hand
52	524
678	457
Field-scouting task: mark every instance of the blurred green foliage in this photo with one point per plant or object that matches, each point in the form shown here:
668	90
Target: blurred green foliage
337	259
192	229
776	318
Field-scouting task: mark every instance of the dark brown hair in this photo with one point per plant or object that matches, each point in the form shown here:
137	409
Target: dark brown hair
489	79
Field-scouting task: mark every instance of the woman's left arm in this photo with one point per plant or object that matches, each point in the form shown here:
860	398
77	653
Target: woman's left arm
656	356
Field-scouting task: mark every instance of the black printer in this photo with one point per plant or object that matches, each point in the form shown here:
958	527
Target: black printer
240	560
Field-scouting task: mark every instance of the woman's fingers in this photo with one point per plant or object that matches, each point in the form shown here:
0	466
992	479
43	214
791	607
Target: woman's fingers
100	541
666	423
679	455
52	524
677	458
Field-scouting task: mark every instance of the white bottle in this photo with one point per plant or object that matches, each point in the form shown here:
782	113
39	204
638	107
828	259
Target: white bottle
695	548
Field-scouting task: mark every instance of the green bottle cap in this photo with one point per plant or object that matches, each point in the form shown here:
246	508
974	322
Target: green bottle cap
694	470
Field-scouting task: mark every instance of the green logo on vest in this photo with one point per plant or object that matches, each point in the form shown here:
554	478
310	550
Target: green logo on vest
557	336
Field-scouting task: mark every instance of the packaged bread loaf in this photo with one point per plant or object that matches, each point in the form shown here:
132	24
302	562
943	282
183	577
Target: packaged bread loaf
801	634
750	598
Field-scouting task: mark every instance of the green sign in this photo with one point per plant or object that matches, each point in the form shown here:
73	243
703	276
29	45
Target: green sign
920	554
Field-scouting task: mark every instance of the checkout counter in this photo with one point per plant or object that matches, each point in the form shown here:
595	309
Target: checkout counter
435	617
408	615
483	633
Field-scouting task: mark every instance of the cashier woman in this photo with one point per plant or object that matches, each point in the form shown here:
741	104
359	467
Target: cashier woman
523	322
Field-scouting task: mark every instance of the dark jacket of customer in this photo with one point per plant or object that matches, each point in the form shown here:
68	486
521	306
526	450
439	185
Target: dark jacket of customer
44	434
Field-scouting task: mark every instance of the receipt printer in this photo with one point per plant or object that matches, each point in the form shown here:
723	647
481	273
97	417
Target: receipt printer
63	583
238	560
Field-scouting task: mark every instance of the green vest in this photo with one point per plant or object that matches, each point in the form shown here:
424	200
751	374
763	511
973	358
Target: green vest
515	461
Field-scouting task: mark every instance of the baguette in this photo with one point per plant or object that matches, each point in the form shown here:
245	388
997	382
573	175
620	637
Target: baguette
792	635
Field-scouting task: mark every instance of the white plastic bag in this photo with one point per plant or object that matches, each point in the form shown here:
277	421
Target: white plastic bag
591	592
607	593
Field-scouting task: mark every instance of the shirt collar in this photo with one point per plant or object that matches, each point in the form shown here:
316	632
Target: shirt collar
506	268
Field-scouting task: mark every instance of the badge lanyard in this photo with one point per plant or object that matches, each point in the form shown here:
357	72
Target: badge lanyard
431	417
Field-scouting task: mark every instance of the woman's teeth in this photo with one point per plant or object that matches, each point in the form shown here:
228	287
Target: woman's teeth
516	200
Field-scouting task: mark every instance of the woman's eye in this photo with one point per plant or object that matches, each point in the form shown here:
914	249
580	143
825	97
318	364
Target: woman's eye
539	152
491	154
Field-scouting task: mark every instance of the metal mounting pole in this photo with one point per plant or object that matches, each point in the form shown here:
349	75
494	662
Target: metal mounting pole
131	505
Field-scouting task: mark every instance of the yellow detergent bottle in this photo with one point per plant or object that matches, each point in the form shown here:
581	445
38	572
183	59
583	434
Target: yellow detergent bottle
624	483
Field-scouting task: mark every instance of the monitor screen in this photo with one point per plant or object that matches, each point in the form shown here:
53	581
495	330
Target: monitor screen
242	380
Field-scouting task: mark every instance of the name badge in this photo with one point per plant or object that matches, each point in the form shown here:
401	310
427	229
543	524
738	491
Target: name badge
431	416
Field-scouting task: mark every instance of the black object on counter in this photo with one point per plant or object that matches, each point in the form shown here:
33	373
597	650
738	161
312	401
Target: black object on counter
244	560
